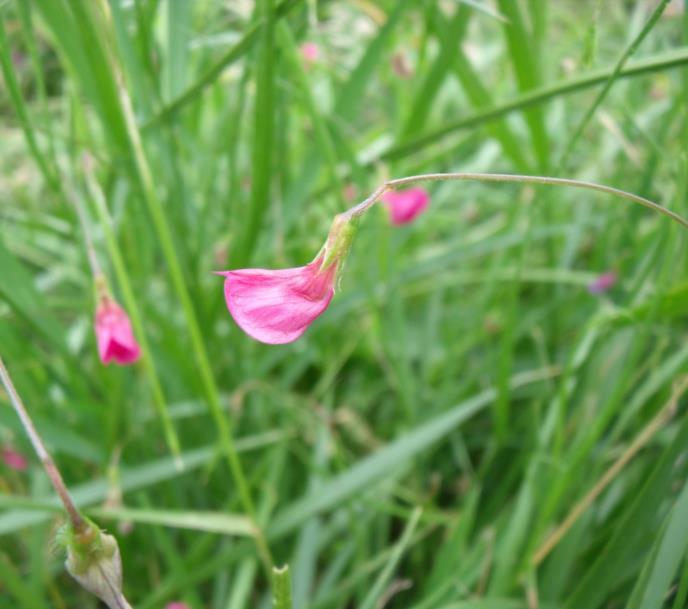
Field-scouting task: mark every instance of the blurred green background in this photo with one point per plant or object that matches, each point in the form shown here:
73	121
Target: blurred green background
464	392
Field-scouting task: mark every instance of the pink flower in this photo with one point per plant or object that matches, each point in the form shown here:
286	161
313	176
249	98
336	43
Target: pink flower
406	205
177	605
602	283
115	338
310	52
277	306
15	460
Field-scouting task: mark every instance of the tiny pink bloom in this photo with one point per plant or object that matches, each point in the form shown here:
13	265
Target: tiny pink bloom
15	460
310	52
405	206
277	306
115	338
602	283
177	605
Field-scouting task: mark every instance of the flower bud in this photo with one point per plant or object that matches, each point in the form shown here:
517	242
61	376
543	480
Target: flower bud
93	560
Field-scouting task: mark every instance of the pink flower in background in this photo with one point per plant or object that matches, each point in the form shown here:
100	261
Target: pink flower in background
15	460
113	331
277	306
405	206
602	283
310	53
177	605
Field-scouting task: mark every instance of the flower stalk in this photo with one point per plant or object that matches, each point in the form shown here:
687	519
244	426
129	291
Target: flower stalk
93	557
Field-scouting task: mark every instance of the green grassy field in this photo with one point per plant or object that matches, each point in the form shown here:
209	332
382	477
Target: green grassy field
470	424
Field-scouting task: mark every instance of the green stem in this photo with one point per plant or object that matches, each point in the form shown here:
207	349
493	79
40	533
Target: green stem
362	207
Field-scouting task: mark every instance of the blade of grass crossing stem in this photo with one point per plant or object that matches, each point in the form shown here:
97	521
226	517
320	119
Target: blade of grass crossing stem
263	131
664	61
630	49
106	225
281	588
663	562
22	112
632	525
372	599
519	42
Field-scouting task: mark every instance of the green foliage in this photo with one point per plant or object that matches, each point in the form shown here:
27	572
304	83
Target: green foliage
421	442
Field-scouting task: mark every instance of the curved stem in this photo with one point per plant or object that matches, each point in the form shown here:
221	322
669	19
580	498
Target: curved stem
361	208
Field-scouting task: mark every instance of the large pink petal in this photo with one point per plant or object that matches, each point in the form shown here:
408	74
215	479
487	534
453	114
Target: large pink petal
277	306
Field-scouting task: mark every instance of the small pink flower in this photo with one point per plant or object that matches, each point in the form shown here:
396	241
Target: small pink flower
310	53
115	338
277	306
406	205
14	459
177	605
602	283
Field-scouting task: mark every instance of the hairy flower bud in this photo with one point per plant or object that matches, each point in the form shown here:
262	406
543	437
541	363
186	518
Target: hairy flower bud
93	560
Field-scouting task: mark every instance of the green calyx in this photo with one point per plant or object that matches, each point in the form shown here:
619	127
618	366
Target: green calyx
86	547
339	240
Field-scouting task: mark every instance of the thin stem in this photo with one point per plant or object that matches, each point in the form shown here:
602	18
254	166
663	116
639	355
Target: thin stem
361	208
78	522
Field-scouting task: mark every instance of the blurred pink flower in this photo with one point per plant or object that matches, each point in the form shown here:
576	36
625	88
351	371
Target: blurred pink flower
277	306
15	460
405	206
310	53
113	331
602	283
177	605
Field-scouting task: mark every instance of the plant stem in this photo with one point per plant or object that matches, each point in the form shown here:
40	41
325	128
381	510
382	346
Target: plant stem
362	207
75	517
